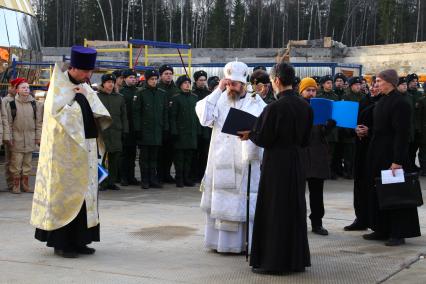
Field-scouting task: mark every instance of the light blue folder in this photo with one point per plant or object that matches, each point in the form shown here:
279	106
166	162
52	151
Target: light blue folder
345	113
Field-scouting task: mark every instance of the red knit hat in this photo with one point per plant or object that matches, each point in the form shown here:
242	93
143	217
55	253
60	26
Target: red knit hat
16	82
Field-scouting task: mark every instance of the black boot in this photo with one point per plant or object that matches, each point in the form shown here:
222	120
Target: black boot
187	180
179	180
356	226
145	178
153	179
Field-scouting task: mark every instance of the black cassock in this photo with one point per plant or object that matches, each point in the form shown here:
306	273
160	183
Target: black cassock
389	144
75	234
361	189
280	241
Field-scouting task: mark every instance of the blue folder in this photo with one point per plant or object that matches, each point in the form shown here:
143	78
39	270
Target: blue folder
102	174
345	113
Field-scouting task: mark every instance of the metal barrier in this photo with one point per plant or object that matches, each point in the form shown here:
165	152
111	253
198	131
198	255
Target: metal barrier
146	46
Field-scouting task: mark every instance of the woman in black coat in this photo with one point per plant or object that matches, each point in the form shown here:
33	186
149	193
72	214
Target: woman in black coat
280	241
316	160
388	149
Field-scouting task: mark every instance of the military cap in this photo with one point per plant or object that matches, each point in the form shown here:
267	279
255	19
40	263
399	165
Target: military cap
128	72
326	78
108	77
200	73
402	80
411	77
316	78
151	73
164	68
118	73
182	79
354	80
340	76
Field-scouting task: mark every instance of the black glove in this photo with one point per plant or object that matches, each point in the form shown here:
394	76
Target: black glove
330	123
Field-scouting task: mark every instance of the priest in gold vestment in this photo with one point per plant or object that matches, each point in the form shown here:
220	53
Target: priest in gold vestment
65	203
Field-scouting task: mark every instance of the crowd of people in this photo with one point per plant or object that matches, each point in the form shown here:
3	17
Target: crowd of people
253	184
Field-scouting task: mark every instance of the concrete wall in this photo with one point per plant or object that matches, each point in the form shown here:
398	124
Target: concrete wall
406	57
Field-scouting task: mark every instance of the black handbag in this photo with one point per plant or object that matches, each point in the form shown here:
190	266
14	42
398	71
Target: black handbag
407	194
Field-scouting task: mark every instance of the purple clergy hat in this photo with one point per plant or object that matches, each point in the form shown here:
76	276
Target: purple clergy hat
83	57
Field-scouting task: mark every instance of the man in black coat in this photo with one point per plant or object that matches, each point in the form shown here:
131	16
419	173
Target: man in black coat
280	241
364	134
388	149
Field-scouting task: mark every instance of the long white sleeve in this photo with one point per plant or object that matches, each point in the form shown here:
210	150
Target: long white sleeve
205	108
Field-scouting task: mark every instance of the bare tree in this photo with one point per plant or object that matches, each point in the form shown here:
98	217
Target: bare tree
418	19
112	20
103	19
127	20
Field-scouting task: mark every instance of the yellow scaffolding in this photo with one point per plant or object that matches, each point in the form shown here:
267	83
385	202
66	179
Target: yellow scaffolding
147	46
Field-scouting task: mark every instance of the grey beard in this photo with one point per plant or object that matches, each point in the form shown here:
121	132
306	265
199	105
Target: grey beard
233	96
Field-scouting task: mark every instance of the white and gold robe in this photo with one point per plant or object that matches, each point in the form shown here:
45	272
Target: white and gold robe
67	173
224	185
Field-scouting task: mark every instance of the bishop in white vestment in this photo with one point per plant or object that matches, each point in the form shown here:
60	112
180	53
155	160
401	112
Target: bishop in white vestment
224	185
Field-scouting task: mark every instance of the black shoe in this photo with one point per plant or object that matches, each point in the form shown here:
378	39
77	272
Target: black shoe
85	250
264	271
134	182
374	236
393	242
319	230
355	226
144	185
188	183
169	179
179	183
66	253
153	179
114	187
124	183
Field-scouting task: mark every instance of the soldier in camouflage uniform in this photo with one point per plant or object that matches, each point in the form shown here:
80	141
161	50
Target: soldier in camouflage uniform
339	85
199	160
347	136
128	90
151	121
184	128
112	136
327	92
166	151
